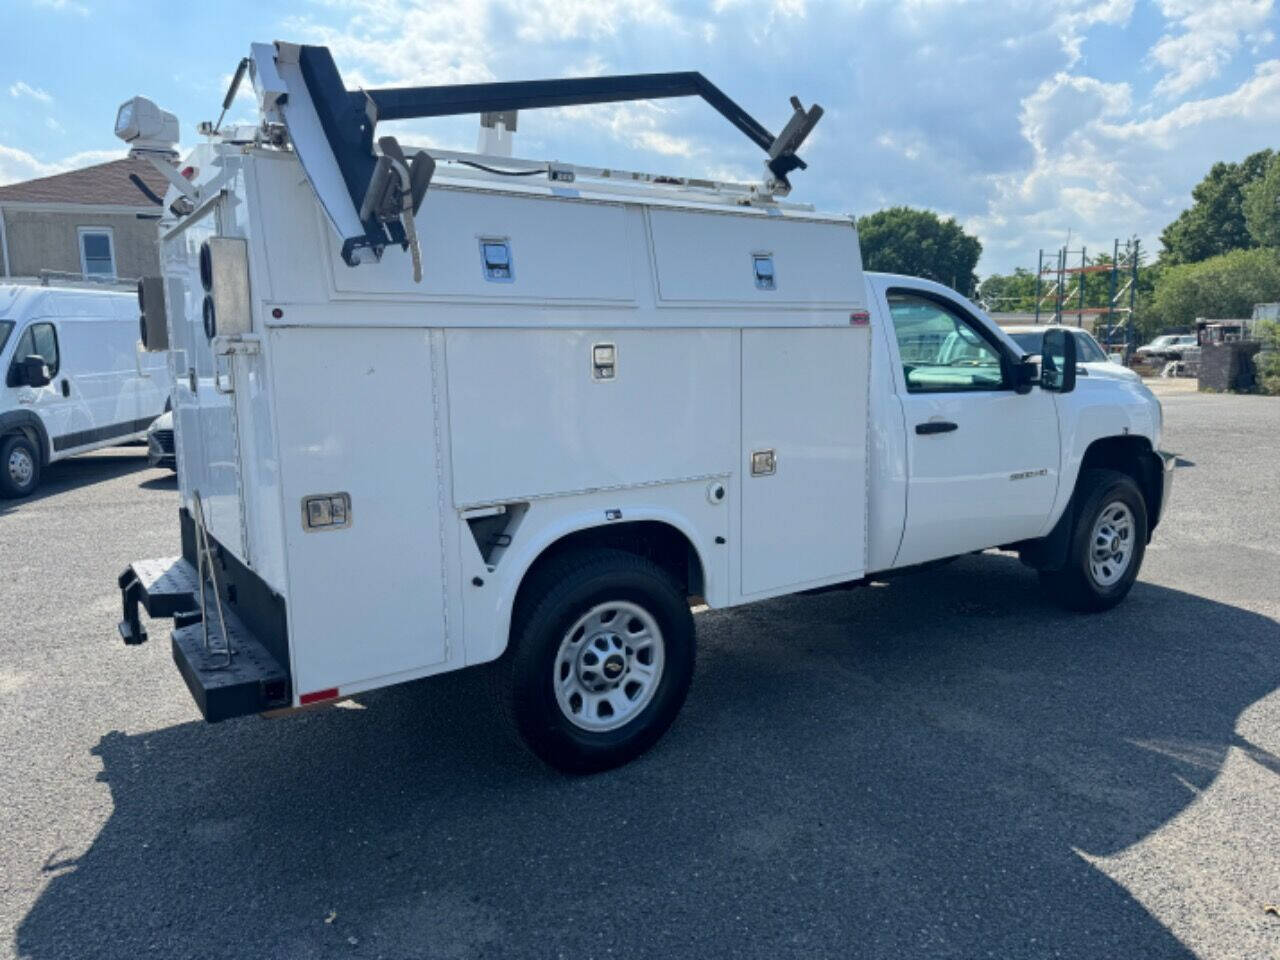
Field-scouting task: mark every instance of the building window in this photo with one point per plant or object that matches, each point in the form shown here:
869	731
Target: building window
97	253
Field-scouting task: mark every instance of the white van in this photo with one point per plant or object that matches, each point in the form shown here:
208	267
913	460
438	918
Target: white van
75	378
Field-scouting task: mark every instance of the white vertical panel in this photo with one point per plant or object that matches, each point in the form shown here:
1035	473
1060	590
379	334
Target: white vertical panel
804	396
220	493
369	600
260	469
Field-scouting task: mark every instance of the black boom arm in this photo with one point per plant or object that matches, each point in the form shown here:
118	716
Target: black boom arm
348	118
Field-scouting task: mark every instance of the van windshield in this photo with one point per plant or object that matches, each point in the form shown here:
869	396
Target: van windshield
6	328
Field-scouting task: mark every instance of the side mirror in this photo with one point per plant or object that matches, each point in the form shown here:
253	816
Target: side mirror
33	371
1024	374
1058	361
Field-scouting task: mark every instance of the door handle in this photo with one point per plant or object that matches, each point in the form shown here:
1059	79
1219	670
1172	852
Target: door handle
936	426
66	387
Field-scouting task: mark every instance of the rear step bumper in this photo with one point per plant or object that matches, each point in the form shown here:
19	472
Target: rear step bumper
251	680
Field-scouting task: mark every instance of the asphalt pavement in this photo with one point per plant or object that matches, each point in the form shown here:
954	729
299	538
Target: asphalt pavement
940	766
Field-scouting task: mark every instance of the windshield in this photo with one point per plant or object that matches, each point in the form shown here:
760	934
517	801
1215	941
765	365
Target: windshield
6	328
1030	342
1089	350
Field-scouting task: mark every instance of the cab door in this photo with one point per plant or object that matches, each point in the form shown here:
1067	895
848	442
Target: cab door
40	338
982	459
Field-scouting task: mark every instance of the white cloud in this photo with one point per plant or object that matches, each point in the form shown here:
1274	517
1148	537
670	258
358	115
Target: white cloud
87	158
1103	173
64	6
23	89
1204	36
445	43
1072	20
1063	107
541	20
994	113
17	165
638	125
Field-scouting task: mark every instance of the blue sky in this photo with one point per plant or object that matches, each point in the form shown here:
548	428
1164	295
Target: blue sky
1022	119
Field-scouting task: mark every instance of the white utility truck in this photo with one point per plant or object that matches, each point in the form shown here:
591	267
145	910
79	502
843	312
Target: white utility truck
75	378
609	397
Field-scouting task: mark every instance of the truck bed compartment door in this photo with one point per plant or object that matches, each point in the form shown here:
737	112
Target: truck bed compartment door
804	457
368	578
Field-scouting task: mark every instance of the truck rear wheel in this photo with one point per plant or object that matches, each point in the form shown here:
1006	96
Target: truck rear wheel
1108	542
19	466
600	660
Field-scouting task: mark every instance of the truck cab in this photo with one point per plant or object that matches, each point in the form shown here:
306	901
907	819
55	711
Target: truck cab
975	458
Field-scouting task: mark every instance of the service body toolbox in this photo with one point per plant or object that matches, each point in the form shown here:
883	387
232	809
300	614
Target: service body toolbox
434	409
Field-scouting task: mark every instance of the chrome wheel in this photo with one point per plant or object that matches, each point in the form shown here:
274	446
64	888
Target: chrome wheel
21	467
609	666
1111	544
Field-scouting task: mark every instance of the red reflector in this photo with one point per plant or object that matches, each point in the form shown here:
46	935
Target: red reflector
859	318
317	695
189	172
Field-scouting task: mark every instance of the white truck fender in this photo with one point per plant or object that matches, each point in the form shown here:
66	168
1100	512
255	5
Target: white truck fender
1083	420
498	609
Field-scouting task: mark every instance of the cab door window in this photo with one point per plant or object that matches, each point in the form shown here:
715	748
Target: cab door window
940	349
39	340
1088	349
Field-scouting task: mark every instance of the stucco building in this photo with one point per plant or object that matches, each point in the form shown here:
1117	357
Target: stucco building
97	221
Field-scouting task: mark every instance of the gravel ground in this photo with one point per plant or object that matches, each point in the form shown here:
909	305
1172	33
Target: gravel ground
944	766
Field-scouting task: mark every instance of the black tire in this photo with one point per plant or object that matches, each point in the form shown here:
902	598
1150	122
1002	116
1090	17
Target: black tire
523	679
10	486
1076	586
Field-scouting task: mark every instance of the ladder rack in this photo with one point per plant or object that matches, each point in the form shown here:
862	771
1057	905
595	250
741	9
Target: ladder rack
568	176
371	197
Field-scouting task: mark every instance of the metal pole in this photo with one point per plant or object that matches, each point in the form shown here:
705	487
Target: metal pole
1133	291
1062	281
1083	263
4	245
1039	274
1111	289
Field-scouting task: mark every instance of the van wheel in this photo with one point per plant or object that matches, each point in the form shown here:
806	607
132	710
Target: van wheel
1108	542
19	466
600	660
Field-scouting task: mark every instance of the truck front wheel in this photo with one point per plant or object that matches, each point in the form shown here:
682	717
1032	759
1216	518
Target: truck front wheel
1107	543
19	466
600	661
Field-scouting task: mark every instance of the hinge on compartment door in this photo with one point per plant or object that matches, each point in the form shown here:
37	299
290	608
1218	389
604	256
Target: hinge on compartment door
244	346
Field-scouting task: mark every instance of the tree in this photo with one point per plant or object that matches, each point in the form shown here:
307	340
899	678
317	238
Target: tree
1268	361
919	243
1215	222
1012	293
1262	206
1222	287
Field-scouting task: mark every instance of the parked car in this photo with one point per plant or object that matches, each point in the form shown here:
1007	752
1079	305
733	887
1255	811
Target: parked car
1093	361
160	442
75	378
1167	346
